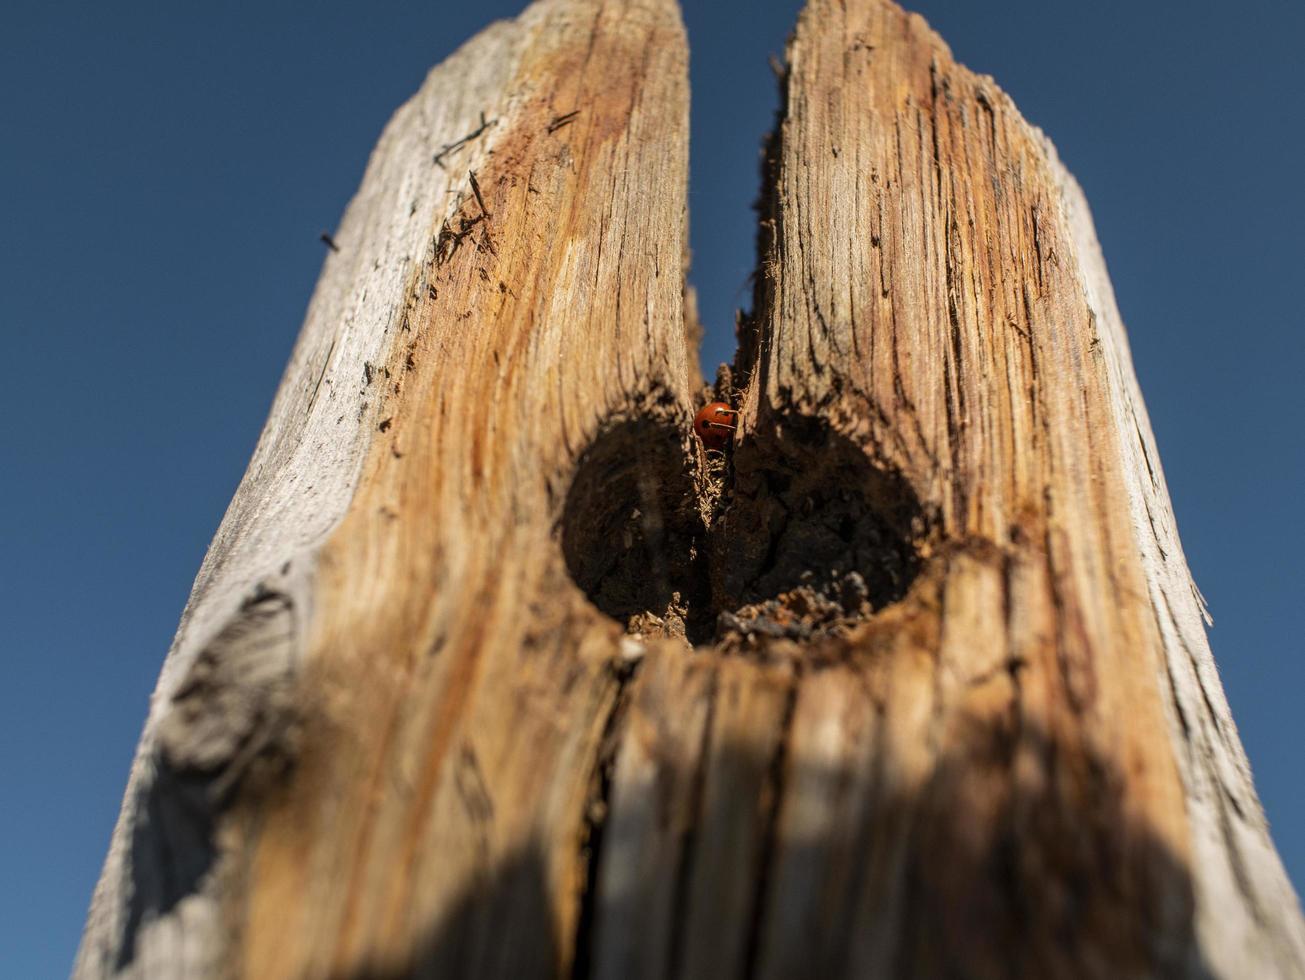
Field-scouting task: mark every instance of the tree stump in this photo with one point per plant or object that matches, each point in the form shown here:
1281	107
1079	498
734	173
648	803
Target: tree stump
492	670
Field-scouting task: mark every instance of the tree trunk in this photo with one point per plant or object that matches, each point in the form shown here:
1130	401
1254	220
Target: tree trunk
493	671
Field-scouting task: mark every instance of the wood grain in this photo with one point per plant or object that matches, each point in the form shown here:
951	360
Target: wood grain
463	348
492	671
934	289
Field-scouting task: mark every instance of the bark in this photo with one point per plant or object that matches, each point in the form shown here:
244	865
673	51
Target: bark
492	671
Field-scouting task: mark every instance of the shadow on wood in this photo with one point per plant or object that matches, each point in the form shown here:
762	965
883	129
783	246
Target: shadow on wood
1052	882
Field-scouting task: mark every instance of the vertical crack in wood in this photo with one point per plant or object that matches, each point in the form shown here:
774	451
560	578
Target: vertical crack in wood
597	811
750	354
684	870
770	833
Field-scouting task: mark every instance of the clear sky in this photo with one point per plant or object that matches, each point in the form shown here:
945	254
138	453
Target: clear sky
166	169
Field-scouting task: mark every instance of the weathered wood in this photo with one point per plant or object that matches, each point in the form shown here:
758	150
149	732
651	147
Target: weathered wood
935	290
491	671
462	349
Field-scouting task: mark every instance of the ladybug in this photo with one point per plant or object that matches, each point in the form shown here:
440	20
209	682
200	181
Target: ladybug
715	425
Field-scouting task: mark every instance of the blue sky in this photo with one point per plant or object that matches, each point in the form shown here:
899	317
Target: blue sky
166	170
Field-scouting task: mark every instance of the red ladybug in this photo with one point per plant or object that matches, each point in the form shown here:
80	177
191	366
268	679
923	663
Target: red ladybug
715	425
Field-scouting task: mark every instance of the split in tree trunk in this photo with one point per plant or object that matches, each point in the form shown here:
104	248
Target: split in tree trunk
492	671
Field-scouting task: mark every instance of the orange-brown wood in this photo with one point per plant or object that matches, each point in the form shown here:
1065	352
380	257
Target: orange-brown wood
494	669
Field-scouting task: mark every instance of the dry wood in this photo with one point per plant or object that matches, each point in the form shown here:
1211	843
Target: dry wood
491	671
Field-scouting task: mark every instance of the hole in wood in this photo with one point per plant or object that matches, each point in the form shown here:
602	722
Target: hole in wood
804	539
631	528
811	537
